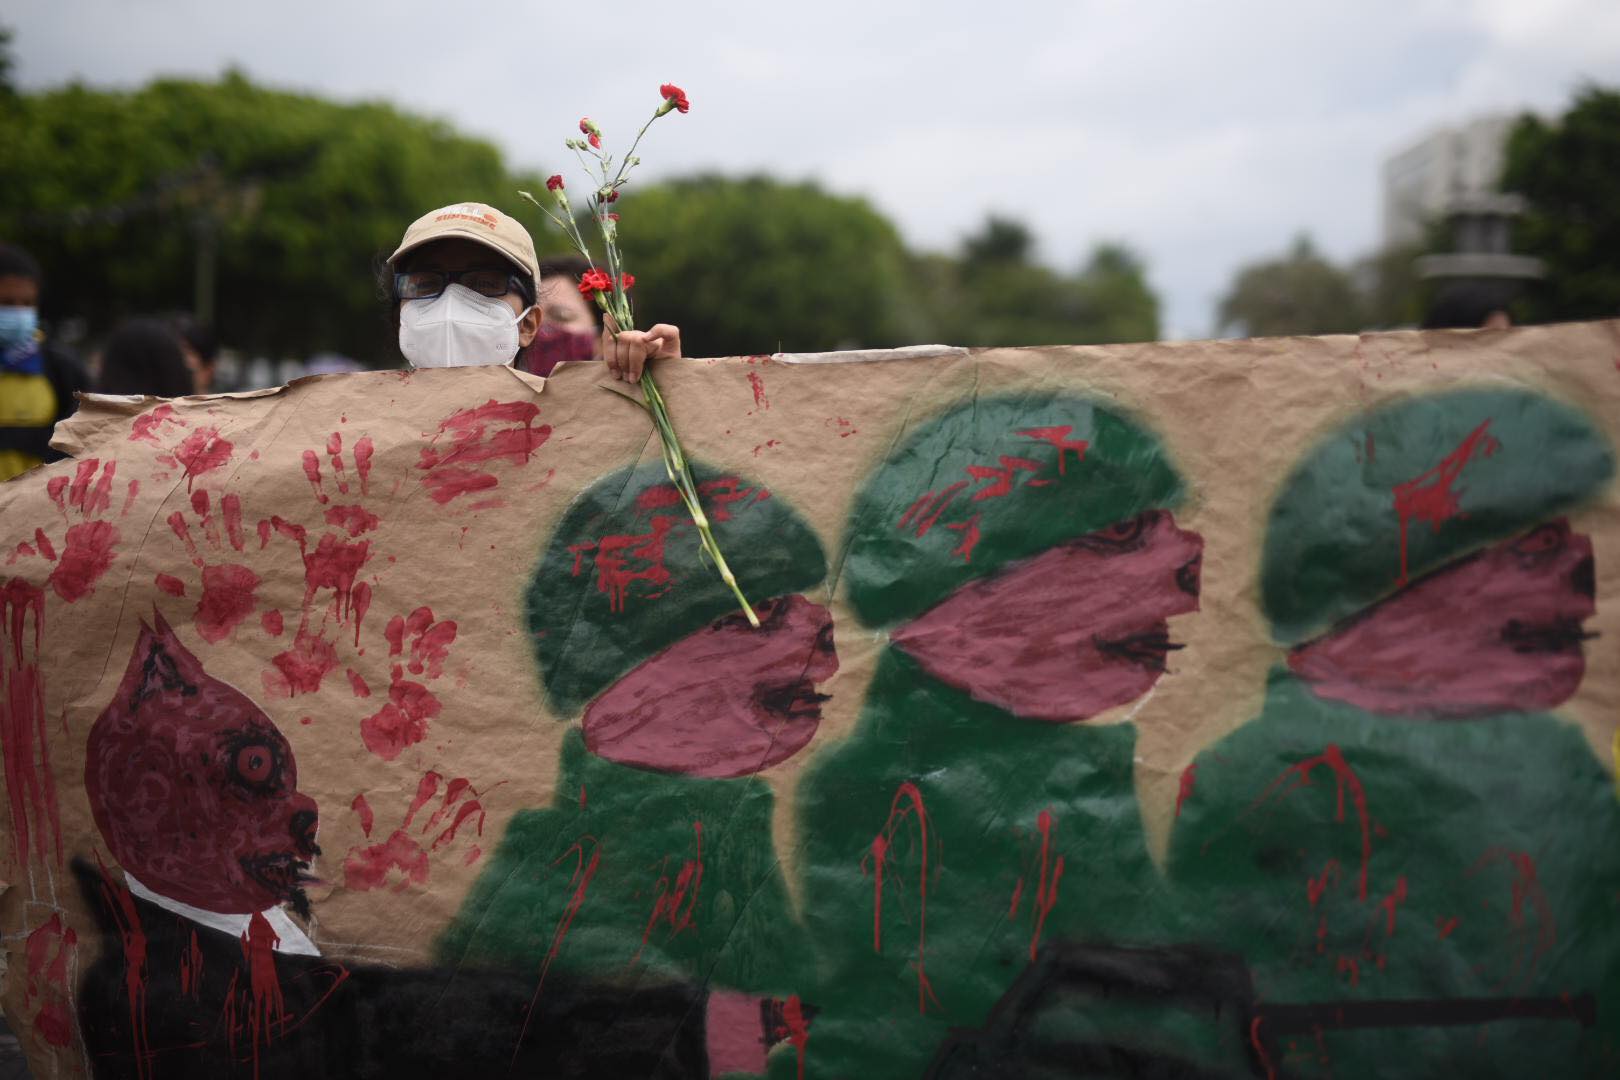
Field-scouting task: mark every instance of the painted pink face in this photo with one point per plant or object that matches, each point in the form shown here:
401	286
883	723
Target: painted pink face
1497	631
1070	632
724	701
194	789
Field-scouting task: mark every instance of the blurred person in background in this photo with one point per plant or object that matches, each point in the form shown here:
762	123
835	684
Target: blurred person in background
571	326
465	286
37	380
144	356
200	347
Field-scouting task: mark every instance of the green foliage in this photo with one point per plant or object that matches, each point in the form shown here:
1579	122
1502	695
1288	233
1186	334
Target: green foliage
995	294
121	195
1300	293
1567	169
756	265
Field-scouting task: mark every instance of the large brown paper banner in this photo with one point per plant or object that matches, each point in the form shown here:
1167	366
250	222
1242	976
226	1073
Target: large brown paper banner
1212	709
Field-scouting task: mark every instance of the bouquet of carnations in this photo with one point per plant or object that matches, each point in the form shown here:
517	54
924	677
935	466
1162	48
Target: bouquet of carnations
608	284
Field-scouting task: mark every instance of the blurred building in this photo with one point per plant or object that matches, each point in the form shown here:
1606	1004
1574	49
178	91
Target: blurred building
1445	168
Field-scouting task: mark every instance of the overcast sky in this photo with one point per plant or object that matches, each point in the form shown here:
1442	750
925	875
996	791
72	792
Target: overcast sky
1203	135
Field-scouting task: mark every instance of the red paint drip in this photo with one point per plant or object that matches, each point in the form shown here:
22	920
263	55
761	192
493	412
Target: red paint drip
334	450
358	684
88	554
121	905
271	621
1348	964
191	967
312	473
363	808
1526	889
1260	1048
129	497
1189	780
362	461
581	881
231	507
36	824
335	565
266	1010
227	598
757	385
426	788
177	522
881	845
614	571
54	487
170	584
1059	437
1046	893
1345	778
798	1029
43	542
670	898
1391	902
1430	497
1445	926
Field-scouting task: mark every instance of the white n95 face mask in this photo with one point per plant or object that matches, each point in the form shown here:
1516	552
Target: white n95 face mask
458	328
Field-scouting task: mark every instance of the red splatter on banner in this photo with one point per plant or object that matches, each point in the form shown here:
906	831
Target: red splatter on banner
88	554
301	668
581	881
1430	496
874	863
227	599
49	950
202	451
1184	791
472	442
1347	780
674	902
36	825
757	385
170	584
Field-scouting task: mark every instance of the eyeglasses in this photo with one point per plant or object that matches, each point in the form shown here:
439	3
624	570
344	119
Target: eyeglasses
426	284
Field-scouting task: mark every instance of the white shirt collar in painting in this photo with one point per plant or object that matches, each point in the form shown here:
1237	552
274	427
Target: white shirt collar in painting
293	940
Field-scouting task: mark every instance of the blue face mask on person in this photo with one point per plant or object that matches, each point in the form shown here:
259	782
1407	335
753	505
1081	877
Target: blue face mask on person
17	326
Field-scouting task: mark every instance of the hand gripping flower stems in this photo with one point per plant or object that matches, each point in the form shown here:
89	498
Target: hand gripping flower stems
610	288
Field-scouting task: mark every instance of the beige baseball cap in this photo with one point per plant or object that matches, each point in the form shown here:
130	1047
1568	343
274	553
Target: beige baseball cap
476	222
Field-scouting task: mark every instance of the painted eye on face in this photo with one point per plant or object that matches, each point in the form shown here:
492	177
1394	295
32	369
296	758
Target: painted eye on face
1127	535
256	764
1543	542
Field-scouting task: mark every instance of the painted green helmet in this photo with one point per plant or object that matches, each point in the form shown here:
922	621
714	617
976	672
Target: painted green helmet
1403	488
623	575
993	480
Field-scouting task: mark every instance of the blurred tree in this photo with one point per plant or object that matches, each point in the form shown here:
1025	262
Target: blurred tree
756	265
1002	242
995	294
1567	170
7	87
1392	293
1300	293
255	203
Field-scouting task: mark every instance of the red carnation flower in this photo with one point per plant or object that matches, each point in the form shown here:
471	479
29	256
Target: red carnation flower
674	97
627	280
612	196
594	281
554	183
591	132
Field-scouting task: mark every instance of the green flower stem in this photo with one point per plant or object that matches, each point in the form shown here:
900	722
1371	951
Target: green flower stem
680	475
616	303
